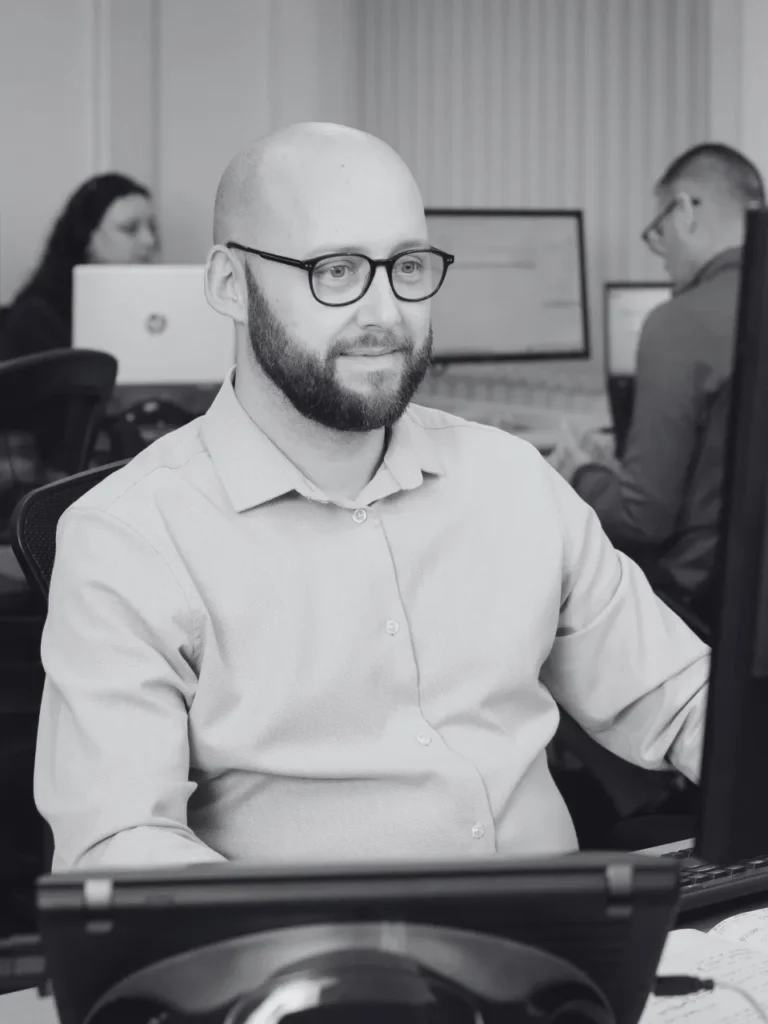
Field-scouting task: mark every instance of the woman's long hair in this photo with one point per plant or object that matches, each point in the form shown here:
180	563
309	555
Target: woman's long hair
68	242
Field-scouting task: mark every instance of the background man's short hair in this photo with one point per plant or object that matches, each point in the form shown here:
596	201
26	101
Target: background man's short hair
714	160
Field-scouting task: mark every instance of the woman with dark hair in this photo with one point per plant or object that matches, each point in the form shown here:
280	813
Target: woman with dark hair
109	219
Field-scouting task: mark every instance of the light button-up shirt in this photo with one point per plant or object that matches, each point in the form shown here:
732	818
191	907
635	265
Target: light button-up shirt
239	667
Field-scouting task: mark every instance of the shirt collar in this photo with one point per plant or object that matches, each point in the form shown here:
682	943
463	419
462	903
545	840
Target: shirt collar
724	260
254	471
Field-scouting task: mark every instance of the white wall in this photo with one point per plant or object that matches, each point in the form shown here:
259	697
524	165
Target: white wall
166	90
228	72
739	76
46	121
543	103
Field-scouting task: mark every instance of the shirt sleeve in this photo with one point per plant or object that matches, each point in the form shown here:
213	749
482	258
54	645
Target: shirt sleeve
641	502
112	761
623	665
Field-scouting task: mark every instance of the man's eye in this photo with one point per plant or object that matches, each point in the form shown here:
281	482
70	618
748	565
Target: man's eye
337	272
408	267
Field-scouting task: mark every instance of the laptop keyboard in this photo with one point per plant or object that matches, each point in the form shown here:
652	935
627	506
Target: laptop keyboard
707	885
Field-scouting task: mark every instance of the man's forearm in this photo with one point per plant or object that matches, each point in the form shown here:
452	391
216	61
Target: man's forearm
145	846
625	521
600	487
687	750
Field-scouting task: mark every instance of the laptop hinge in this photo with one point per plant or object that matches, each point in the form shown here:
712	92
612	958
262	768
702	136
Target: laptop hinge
620	883
97	893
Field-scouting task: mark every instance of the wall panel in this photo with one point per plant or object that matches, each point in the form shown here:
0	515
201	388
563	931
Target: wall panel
525	103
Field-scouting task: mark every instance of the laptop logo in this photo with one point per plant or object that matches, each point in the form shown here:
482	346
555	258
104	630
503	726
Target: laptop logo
156	323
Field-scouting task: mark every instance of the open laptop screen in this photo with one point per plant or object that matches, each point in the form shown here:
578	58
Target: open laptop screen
155	320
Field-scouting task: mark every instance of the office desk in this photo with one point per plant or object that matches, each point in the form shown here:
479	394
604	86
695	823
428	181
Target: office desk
27	1007
537	425
193	398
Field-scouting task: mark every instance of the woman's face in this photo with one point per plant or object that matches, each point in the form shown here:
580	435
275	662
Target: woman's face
127	232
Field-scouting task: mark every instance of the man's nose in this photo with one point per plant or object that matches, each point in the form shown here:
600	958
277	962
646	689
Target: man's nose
379	306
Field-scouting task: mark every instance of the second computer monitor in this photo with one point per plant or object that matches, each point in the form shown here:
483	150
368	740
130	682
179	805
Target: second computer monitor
517	288
627	306
155	320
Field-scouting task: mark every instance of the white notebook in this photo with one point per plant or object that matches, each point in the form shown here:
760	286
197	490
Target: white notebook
734	951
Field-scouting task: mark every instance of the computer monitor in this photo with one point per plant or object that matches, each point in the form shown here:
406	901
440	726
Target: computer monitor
155	320
626	307
733	824
198	936
517	290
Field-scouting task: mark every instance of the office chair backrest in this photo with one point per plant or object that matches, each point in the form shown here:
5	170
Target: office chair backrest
57	397
33	528
621	399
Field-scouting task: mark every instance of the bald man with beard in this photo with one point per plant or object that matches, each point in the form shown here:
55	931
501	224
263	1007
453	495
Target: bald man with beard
322	623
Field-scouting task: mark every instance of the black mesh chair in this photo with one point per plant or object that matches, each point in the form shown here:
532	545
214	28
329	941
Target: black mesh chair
25	850
33	529
51	404
50	407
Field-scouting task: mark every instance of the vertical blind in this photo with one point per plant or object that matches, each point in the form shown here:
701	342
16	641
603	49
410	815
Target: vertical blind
541	103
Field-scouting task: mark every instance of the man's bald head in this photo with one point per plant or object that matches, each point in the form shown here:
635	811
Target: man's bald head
701	201
722	175
340	344
304	174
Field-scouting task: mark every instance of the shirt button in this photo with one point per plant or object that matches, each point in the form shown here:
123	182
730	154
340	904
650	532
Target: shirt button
478	831
424	738
359	515
392	627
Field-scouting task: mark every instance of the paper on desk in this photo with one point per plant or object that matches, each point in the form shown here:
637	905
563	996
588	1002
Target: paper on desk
750	928
707	955
27	1007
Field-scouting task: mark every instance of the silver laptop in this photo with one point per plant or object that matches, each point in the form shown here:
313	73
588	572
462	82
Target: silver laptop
155	321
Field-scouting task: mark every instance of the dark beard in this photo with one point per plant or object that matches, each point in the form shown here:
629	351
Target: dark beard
310	383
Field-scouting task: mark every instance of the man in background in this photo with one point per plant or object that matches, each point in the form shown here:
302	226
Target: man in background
662	503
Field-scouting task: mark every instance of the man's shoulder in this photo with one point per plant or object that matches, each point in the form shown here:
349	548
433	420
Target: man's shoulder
455	436
708	310
165	464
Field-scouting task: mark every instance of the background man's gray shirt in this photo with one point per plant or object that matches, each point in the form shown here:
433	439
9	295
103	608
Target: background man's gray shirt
667	496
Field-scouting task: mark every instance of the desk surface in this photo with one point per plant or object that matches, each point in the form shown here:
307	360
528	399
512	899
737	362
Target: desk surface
194	398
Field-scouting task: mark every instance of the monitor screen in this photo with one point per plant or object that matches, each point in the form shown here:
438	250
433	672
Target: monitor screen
627	305
517	289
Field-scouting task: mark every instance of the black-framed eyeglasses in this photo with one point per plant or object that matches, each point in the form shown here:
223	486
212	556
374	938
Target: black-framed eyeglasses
653	235
342	278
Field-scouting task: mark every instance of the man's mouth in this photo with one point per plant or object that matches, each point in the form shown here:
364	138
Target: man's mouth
383	351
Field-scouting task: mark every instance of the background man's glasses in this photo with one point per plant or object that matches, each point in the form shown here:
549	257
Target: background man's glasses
342	278
653	236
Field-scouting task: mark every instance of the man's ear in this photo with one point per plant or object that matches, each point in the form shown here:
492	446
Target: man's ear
224	284
688	208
